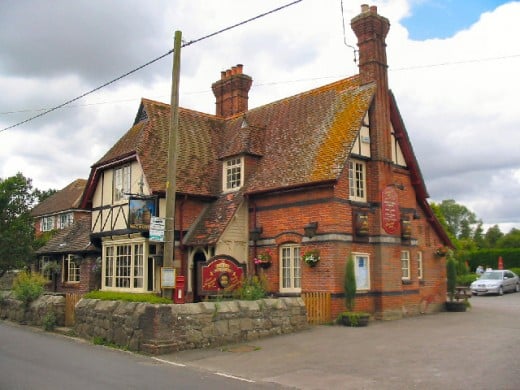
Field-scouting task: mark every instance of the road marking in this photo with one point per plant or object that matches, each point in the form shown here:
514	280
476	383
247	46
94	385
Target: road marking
234	377
168	362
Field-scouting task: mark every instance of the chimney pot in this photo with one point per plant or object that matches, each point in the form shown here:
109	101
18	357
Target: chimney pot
239	68
223	74
228	72
233	70
373	9
364	8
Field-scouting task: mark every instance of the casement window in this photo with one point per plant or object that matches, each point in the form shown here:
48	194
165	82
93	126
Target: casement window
419	266
65	220
123	266
233	174
290	268
70	269
47	224
357	180
362	271
121	183
405	265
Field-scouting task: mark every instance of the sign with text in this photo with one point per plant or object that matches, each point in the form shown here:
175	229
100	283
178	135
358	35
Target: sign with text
157	225
390	214
220	273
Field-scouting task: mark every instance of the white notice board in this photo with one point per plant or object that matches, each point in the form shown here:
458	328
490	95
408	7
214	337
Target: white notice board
167	277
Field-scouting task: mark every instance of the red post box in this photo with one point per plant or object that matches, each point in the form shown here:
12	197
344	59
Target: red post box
178	296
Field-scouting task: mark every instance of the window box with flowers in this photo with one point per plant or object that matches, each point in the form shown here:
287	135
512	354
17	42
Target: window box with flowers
263	259
311	258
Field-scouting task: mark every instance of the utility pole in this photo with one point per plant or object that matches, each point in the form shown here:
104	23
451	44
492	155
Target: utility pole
171	178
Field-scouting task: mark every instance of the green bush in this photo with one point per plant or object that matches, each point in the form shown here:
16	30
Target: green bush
49	321
251	289
127	297
28	286
451	274
466	280
349	284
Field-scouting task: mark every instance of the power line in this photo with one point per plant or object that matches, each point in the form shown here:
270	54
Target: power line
149	63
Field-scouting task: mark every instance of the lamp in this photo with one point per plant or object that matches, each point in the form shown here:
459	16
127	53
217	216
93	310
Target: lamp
255	233
310	229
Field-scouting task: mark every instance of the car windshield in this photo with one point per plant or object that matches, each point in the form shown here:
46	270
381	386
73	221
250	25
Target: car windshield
492	275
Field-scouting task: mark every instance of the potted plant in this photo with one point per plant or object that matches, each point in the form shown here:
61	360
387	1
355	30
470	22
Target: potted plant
453	303
263	259
349	317
312	257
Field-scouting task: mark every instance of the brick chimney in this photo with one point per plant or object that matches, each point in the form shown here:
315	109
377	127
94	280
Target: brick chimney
371	30
231	91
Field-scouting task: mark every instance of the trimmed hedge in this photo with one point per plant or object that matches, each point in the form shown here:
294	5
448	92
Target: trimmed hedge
489	258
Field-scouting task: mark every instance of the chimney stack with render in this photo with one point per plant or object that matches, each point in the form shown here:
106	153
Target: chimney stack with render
231	92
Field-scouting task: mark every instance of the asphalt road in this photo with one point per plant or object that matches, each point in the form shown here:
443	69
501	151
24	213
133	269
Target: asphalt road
474	350
477	349
32	359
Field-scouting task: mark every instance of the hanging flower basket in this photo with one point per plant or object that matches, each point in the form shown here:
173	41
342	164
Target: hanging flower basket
263	259
311	258
441	251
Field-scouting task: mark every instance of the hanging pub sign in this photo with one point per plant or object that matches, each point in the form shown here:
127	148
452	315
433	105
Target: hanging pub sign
141	212
220	273
390	214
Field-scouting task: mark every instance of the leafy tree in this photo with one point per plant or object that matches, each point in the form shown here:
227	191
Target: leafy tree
492	236
510	240
42	195
459	219
16	229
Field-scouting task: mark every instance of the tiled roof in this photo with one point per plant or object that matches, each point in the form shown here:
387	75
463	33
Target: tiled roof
73	239
301	140
66	199
214	220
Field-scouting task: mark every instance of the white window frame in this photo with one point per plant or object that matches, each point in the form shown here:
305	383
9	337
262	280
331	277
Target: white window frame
357	180
405	265
233	174
362	271
124	266
419	265
290	268
65	220
121	182
72	270
47	223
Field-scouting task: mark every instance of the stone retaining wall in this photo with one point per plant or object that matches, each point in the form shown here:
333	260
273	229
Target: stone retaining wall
158	329
14	310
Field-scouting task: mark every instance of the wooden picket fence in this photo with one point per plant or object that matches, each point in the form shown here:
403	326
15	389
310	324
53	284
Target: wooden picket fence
70	307
318	304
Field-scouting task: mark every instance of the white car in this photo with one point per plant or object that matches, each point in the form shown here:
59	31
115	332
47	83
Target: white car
496	282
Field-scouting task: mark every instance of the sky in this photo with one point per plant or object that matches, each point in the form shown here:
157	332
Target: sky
453	68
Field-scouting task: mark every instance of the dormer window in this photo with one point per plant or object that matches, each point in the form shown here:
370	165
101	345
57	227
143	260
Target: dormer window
121	183
233	173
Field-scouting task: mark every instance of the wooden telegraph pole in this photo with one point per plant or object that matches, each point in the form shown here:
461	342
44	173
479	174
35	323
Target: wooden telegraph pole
171	178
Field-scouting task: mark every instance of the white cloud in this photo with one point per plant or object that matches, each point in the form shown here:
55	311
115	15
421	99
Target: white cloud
457	95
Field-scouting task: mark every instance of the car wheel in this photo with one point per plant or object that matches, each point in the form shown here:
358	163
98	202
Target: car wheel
500	291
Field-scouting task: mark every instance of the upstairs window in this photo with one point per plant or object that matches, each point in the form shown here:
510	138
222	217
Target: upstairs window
357	180
47	224
233	174
65	220
121	183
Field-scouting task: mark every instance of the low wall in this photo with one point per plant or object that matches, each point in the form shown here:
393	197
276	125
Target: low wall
158	329
14	310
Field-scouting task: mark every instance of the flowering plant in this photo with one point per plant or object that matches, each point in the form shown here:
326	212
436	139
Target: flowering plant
441	251
263	258
312	257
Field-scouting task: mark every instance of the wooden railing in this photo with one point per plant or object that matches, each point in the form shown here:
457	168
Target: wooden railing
318	306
